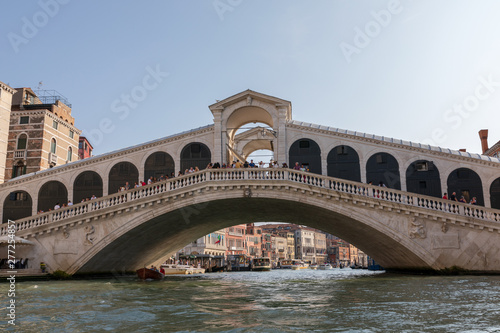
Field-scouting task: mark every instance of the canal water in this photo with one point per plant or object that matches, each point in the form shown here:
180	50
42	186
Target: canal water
278	301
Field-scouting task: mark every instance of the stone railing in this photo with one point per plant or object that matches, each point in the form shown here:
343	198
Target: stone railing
271	175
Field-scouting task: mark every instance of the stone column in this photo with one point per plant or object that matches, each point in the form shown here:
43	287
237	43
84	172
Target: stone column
218	154
281	153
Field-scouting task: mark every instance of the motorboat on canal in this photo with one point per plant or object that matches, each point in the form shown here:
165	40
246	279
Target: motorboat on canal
325	266
285	264
314	266
261	264
238	262
171	269
149	274
299	264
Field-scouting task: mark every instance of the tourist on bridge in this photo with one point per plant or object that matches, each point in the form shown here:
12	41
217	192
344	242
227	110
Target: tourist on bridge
453	196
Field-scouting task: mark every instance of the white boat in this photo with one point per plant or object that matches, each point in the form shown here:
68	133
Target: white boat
181	269
299	264
325	266
261	264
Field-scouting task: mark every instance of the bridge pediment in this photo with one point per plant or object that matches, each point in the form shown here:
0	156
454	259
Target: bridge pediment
248	97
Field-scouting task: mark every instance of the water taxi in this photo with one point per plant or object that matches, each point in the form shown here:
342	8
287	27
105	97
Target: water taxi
285	264
313	266
261	264
181	269
299	264
238	262
149	274
325	266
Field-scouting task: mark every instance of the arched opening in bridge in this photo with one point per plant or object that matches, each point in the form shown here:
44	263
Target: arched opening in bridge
250	137
16	206
261	155
466	182
87	184
343	163
422	177
159	164
247	115
148	238
51	194
249	128
307	153
120	174
195	154
495	194
383	168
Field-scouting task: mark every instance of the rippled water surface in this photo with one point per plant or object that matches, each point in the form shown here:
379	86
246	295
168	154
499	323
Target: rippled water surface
277	301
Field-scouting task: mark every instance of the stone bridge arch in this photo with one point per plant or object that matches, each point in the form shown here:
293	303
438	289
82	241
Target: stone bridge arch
149	237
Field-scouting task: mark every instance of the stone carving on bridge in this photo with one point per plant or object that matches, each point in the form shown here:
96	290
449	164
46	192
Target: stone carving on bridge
89	238
65	233
247	193
445	227
417	229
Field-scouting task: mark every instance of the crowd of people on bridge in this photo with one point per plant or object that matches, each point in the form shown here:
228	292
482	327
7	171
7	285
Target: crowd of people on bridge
453	197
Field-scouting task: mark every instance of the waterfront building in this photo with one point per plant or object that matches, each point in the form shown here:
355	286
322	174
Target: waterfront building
290	244
6	94
254	240
279	248
353	254
211	244
84	148
304	244
320	247
41	133
362	259
236	239
267	246
341	255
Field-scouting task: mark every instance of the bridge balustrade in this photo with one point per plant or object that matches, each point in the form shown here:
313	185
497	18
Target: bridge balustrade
258	174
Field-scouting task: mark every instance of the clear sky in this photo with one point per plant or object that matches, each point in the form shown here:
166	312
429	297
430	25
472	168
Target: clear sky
423	71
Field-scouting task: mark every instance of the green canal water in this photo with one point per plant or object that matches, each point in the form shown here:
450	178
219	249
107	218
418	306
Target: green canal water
277	301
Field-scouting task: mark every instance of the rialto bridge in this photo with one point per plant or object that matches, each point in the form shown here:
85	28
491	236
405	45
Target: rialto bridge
405	225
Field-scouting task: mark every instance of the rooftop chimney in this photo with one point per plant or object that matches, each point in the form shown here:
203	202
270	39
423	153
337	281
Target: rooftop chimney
483	135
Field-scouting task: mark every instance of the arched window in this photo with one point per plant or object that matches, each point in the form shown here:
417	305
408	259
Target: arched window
19	169
422	177
495	194
466	182
16	206
70	154
343	162
159	164
53	146
383	167
87	184
195	155
50	194
120	174
22	142
306	152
